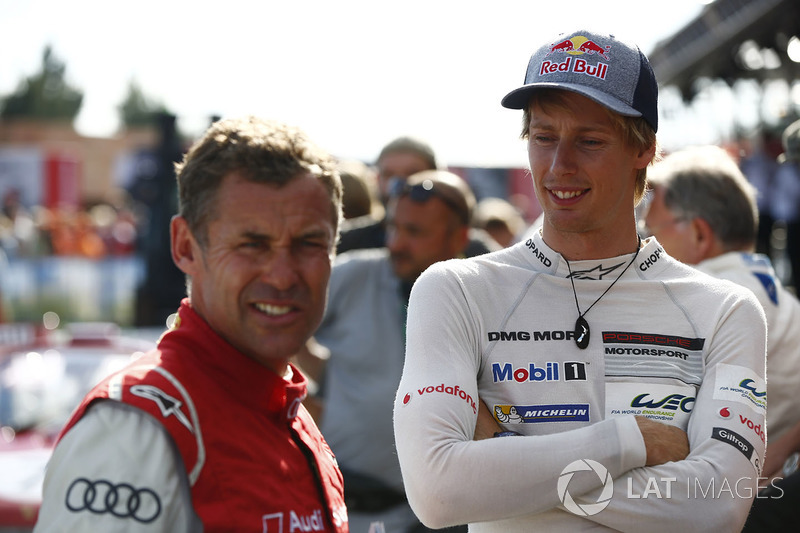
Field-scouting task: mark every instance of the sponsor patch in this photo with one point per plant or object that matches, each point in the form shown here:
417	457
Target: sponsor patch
120	500
740	384
671	404
653	355
538	254
654	339
168	405
539	372
754	426
740	443
452	390
534	414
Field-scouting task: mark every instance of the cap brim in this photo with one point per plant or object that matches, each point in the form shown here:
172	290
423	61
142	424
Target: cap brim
519	98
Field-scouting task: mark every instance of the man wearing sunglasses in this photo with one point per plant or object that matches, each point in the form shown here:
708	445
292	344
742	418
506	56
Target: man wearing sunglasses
398	160
428	218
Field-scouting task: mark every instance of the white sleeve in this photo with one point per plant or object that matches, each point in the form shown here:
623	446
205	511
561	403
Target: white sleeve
451	479
116	470
714	487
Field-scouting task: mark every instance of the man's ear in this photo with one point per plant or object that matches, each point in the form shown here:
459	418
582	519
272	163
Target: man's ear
183	246
645	157
704	240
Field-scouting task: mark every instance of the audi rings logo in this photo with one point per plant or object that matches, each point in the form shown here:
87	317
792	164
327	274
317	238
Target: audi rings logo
585	509
121	500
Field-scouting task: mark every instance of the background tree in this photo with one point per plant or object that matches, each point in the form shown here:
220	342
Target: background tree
139	110
45	95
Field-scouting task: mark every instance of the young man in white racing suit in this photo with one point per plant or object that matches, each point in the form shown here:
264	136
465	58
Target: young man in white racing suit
627	386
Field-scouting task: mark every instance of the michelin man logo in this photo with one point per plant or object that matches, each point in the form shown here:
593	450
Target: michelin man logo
513	417
585	509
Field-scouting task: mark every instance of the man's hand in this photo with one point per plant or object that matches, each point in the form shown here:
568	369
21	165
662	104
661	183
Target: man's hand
664	443
486	426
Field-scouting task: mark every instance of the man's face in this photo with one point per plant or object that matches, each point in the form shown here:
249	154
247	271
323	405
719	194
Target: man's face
420	234
673	231
583	172
398	165
261	280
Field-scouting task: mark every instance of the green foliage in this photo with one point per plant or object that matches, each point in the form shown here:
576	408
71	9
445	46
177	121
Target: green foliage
44	95
137	109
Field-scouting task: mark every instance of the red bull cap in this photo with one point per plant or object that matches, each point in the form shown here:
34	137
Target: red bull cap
599	66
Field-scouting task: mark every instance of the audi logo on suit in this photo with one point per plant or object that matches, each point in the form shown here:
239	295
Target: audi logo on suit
120	499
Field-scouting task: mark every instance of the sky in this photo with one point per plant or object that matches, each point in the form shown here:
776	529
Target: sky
354	74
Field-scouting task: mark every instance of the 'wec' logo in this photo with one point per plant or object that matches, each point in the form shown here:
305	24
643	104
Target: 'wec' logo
672	402
747	384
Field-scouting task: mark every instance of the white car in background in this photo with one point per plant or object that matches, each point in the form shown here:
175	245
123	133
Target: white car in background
44	375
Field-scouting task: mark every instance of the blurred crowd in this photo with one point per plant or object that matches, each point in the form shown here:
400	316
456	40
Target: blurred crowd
94	232
769	162
112	228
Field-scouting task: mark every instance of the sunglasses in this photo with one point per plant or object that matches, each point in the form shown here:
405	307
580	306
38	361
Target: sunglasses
422	192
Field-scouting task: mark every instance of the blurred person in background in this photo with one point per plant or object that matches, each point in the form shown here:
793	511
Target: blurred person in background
757	160
787	197
364	331
359	186
703	211
500	219
397	160
19	236
207	431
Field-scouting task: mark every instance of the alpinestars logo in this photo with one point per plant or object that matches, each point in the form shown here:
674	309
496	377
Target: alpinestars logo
595	273
166	403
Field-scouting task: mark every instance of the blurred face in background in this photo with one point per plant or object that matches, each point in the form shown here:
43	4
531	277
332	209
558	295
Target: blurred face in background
421	233
673	231
396	167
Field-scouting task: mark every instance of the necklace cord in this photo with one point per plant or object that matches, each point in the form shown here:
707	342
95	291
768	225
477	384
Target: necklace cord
572	281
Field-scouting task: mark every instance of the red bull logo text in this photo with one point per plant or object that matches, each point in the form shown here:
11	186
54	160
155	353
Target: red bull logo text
572	64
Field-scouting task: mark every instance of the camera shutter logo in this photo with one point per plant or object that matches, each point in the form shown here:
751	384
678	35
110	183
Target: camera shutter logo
585	509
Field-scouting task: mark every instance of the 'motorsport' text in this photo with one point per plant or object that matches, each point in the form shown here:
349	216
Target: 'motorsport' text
647	351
